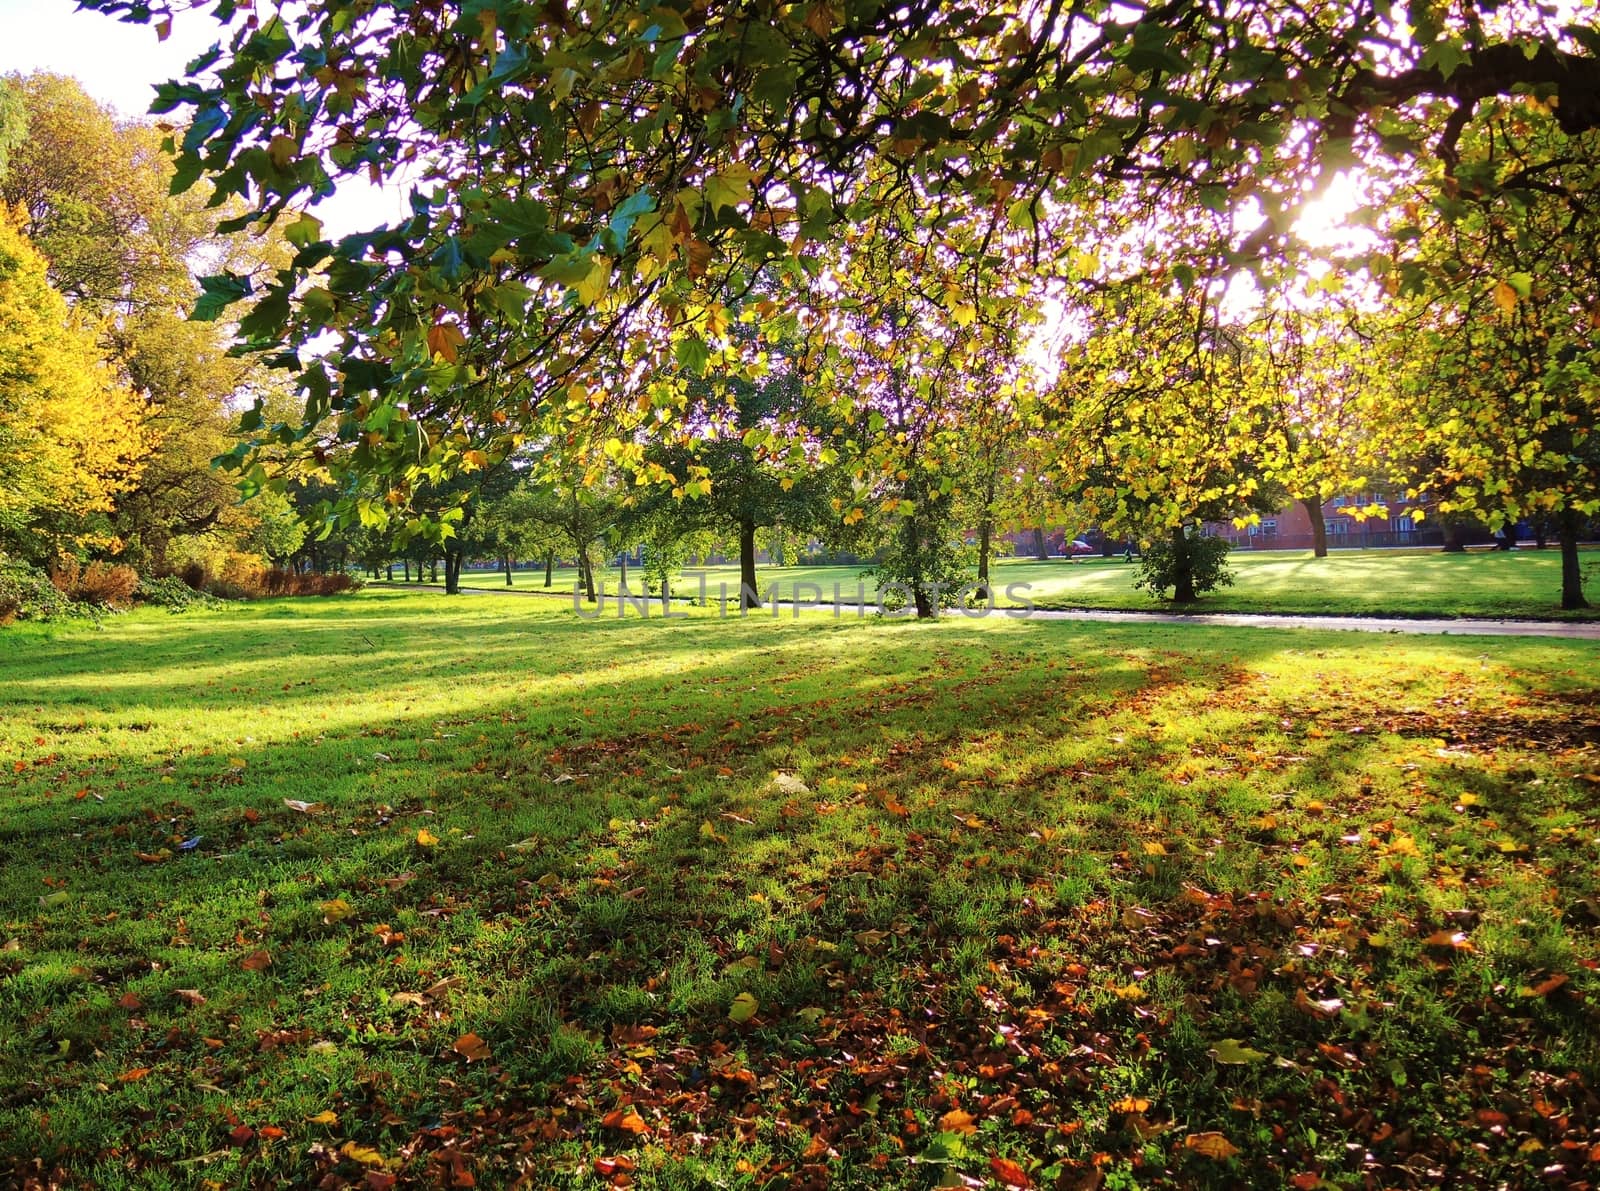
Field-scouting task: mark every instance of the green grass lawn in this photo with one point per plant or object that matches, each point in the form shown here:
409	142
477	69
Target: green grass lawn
325	893
1524	583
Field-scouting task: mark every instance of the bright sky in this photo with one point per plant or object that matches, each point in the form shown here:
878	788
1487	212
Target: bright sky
120	65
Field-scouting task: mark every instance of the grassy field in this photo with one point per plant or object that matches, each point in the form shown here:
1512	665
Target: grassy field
400	889
1525	583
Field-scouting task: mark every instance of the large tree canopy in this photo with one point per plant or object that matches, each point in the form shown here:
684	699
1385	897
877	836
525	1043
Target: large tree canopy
593	183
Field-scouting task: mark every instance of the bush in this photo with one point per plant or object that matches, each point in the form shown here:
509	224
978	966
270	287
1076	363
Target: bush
27	593
100	583
1208	565
174	594
244	578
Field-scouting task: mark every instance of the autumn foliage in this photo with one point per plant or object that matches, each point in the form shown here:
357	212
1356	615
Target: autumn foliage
102	584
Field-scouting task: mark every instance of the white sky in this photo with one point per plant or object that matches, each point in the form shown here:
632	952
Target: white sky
120	64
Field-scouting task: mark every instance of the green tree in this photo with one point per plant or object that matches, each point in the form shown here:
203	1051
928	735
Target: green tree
594	193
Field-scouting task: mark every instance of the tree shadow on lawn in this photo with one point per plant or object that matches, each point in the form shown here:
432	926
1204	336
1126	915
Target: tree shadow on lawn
965	893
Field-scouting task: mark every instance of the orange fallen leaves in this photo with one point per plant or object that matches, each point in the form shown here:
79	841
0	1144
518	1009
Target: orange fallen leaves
1009	1173
627	1120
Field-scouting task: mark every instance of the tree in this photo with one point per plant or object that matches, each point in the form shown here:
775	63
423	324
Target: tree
93	193
758	458
13	124
1495	307
511	527
70	435
595	189
1178	426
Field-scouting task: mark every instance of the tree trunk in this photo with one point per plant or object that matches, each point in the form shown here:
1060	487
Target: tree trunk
1570	524
1182	568
1319	527
433	569
508	570
390	570
452	573
549	567
586	573
1541	531
747	564
1041	550
623	560
407	564
985	539
1452	538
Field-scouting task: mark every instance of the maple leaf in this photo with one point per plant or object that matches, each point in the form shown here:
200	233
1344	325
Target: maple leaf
445	340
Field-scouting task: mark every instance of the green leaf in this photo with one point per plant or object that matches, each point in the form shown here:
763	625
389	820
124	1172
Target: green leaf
1230	1052
692	354
743	1008
217	294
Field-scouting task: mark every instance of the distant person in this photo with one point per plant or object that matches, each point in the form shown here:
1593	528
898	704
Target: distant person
1127	555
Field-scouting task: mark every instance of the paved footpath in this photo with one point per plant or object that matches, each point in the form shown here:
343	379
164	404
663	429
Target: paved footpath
1572	629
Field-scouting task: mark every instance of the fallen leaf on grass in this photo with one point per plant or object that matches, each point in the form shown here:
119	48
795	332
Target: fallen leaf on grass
1545	987
336	910
957	1121
1212	1145
130	1001
242	1135
305	808
365	1155
1009	1173
192	996
256	961
426	838
743	1008
325	1117
471	1047
1231	1052
625	1119
1453	939
133	1076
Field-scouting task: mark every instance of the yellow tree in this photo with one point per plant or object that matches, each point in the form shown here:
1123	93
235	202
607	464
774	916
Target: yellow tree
70	435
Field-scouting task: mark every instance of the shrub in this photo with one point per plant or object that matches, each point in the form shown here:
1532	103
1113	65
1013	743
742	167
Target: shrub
174	594
100	583
27	593
1208	565
243	578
